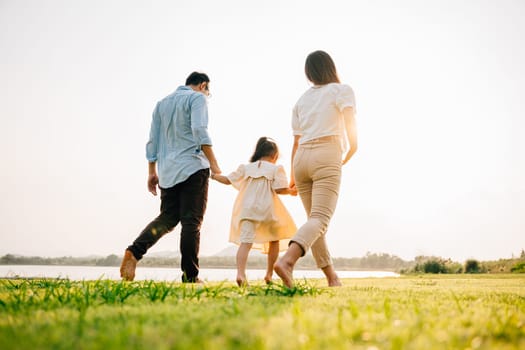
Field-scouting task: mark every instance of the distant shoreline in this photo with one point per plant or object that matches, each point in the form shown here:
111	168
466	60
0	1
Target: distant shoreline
369	262
219	267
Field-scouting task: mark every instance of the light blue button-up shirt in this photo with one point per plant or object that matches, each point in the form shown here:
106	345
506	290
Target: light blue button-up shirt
178	130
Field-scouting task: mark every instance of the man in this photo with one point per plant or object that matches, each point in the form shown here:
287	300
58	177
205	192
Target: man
180	147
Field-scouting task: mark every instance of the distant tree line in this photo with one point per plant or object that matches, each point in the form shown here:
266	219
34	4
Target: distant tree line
371	261
433	264
110	260
374	261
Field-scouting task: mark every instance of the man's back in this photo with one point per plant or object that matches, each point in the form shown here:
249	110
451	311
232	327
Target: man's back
178	130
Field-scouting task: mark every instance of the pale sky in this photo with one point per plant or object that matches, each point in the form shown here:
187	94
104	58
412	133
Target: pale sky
439	88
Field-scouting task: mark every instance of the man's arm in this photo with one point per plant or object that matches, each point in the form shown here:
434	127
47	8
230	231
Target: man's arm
151	151
208	152
153	179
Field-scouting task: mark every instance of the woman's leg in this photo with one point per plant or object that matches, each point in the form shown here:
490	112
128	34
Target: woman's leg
324	261
284	266
317	181
242	258
273	254
331	276
325	193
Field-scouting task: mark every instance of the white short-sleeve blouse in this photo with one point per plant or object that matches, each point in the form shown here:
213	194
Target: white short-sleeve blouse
319	111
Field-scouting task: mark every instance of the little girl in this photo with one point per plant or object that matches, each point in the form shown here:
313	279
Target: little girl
259	218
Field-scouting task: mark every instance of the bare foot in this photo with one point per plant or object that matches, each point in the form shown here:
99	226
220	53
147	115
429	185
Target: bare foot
268	280
285	271
241	281
334	282
128	266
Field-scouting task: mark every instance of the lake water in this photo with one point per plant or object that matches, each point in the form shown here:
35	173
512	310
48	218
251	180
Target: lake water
160	273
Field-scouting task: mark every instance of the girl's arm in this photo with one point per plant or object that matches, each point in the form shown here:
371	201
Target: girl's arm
290	190
351	132
221	178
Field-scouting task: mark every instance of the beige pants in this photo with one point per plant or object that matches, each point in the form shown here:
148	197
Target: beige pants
317	168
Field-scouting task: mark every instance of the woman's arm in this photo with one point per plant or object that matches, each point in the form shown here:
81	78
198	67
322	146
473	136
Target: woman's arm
351	132
221	178
294	149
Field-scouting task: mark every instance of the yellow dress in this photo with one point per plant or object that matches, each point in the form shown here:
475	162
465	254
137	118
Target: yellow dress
257	201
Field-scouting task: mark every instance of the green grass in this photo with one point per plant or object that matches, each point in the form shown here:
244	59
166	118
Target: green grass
410	312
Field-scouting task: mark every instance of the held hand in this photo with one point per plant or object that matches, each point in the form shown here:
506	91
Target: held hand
153	181
347	158
215	170
293	190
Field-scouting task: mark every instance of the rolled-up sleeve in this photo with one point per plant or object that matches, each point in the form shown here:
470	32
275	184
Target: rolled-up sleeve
237	177
153	142
295	121
345	98
199	120
280	180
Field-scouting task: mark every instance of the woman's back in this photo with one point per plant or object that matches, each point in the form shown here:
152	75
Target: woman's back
318	112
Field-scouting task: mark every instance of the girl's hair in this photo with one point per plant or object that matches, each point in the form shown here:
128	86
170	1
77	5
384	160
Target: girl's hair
265	147
320	68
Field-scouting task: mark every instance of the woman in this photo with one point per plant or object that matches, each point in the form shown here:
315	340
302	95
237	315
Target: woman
323	125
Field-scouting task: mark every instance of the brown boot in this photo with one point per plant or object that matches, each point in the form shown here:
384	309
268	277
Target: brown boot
128	266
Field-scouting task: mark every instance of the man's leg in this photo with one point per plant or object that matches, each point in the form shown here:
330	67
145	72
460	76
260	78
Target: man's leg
128	266
162	224
193	199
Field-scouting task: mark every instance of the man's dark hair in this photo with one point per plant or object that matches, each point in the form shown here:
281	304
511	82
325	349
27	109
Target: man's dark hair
196	78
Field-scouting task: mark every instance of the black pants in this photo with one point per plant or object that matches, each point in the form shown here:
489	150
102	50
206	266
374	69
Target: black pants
184	203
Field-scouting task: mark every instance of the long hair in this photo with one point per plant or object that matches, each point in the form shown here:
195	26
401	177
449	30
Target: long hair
320	68
265	147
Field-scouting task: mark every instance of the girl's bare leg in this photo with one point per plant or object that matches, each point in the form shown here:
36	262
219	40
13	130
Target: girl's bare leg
331	276
284	266
273	254
242	258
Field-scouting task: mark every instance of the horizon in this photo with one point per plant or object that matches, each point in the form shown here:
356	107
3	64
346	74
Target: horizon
232	249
